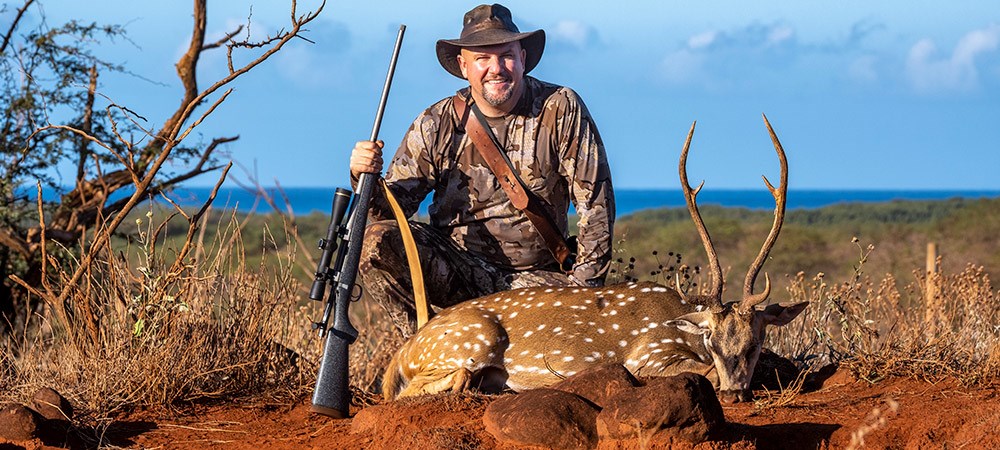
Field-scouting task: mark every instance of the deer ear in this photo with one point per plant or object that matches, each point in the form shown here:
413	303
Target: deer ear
779	315
692	323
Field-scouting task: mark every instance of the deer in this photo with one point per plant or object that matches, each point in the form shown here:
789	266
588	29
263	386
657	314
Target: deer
534	337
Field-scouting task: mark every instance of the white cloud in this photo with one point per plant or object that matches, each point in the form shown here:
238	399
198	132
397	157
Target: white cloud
682	66
702	40
714	58
780	34
929	72
575	33
863	69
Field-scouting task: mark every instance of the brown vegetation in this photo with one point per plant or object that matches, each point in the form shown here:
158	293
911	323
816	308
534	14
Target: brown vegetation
202	334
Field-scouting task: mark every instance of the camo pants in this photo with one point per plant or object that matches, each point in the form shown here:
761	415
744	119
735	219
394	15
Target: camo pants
451	274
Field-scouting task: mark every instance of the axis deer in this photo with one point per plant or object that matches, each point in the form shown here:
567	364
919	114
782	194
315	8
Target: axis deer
531	337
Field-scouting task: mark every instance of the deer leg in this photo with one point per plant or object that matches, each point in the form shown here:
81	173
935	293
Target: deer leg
454	380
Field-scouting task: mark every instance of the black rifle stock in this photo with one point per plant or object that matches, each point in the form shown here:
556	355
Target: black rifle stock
332	395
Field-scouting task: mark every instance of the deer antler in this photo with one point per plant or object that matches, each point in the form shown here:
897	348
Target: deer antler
749	299
714	297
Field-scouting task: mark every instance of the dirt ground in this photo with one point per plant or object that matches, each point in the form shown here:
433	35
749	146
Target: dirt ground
891	414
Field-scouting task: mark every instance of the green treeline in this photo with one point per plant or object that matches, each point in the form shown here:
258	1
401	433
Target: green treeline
821	240
812	241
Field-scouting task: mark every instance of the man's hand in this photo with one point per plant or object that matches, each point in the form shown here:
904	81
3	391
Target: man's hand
366	158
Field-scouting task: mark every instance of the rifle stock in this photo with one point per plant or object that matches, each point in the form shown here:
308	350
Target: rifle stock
332	395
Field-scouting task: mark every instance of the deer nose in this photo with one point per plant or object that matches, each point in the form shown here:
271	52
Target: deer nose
735	396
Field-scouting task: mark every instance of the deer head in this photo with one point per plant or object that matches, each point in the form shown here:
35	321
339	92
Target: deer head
733	332
531	337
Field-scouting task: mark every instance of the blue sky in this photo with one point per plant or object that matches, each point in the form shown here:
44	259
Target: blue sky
864	95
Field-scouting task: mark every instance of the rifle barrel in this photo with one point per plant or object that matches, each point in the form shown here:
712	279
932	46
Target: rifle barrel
388	83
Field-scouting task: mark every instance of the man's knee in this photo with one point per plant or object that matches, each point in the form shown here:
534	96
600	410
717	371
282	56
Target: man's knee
380	237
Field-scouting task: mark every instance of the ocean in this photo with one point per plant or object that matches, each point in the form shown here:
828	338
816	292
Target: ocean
308	200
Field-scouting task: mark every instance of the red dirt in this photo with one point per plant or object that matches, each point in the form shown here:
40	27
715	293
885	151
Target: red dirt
929	415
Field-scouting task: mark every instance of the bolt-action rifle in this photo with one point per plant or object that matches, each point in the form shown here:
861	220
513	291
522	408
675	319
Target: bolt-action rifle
332	396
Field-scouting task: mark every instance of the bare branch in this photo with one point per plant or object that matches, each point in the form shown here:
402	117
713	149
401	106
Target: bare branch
207	113
45	256
87	136
285	37
13	25
16	243
229	36
87	126
193	221
167	138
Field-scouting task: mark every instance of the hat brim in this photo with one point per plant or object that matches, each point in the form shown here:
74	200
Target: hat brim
532	42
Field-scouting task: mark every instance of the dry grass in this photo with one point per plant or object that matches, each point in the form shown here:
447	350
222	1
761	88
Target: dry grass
786	395
880	329
217	328
223	328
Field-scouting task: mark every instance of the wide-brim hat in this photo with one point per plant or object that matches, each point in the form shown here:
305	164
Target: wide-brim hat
490	25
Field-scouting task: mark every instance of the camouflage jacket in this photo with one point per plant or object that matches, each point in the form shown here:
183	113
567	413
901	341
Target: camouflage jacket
554	146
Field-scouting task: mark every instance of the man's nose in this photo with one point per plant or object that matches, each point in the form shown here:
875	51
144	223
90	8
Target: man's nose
494	66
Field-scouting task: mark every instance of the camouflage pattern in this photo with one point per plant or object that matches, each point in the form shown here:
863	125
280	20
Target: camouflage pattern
554	146
451	274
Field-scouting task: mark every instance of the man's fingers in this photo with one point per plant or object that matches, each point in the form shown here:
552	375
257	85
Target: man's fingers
366	157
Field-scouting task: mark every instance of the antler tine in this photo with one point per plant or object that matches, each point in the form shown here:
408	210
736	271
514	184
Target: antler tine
779	195
690	197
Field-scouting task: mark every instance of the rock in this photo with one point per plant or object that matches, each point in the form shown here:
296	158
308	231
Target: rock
51	405
682	406
543	417
773	372
599	383
18	423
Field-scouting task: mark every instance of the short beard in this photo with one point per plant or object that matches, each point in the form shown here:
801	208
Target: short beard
498	100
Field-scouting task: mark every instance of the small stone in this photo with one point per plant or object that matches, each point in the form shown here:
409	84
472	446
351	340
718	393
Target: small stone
52	405
18	423
599	383
683	406
543	417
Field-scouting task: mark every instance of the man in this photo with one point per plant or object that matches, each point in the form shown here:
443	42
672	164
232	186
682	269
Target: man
477	241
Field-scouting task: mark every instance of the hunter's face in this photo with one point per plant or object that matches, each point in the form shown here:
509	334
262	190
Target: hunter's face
495	74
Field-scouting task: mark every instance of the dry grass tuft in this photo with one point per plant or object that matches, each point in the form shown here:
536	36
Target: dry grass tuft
786	395
169	329
881	329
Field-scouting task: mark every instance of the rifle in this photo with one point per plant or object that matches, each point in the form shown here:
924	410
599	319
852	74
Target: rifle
332	395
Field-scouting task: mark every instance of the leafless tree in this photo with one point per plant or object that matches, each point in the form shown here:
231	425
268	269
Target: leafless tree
111	159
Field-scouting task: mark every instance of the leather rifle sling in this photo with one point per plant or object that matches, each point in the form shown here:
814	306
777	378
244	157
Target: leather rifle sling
412	258
512	185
